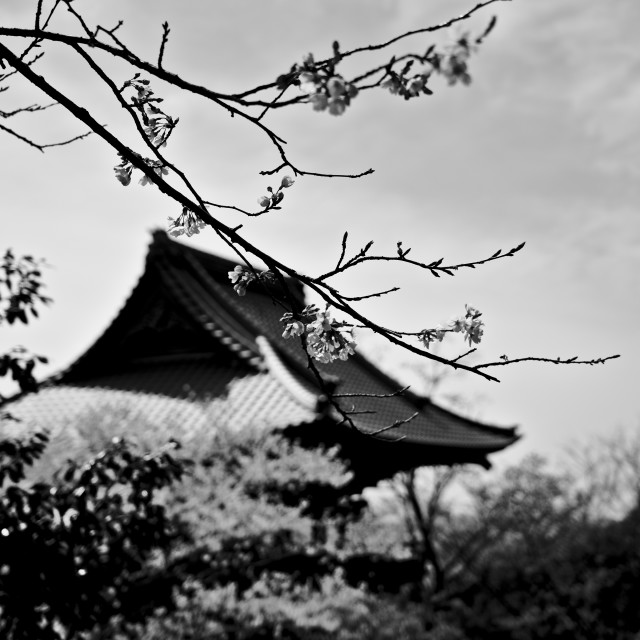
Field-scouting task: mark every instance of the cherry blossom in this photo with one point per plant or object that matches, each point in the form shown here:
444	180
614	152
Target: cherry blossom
469	325
326	90
326	339
241	278
186	223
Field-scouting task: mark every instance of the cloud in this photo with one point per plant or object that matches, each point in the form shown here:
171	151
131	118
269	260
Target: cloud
581	58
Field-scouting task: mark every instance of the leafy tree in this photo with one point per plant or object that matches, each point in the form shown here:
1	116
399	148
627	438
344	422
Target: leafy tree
20	295
271	544
71	548
529	560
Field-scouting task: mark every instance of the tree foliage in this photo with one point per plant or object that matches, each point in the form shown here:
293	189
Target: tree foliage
268	542
71	547
528	557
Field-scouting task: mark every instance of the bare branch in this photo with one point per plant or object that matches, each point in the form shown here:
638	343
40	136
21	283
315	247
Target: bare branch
42	147
30	109
435	268
38	14
344	248
301	172
464	355
272	104
504	360
377	47
395	425
369	295
399	392
431	29
80	19
236	105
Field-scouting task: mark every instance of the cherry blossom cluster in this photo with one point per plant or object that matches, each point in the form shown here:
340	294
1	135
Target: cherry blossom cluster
272	200
327	340
452	64
242	277
408	88
469	325
187	223
124	170
157	124
326	89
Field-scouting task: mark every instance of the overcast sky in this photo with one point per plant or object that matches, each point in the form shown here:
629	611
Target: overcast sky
543	147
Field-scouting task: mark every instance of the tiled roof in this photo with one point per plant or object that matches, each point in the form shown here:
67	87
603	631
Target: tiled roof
185	341
256	400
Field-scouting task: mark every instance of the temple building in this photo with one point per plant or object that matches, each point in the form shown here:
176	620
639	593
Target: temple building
186	347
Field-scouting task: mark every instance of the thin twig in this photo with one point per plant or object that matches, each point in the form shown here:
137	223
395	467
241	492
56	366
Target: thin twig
165	39
369	295
431	29
301	172
42	147
30	109
272	104
394	394
80	19
435	267
464	355
506	360
344	248
38	14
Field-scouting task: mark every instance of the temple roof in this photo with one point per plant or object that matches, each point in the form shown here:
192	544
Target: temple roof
185	342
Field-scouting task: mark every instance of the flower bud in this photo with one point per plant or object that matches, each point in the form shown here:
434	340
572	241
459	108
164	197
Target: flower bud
307	77
337	106
307	82
287	181
335	86
319	101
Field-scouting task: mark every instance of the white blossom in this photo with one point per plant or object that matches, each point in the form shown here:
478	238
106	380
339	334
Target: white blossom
326	339
469	325
186	223
393	84
241	278
293	329
326	92
287	181
319	101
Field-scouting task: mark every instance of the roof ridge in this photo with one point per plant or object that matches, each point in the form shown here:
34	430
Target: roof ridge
83	357
243	346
